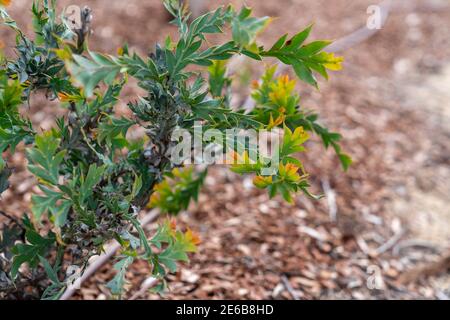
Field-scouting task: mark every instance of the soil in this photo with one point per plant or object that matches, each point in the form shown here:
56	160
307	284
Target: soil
391	103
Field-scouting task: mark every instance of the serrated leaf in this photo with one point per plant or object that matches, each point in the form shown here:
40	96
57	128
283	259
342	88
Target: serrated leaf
29	252
44	163
172	255
245	28
43	204
117	283
89	73
182	244
113	127
60	213
88	183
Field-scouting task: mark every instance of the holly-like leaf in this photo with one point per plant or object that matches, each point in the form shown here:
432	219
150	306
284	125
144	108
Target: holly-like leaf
305	58
44	160
60	213
88	183
117	283
89	73
114	127
245	28
13	128
45	203
177	251
29	252
164	234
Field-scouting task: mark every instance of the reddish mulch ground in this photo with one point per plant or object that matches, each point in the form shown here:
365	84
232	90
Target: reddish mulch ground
391	103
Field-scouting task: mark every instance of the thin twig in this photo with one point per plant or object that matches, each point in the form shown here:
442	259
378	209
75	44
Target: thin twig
289	288
362	244
313	233
390	243
145	286
363	33
110	250
416	244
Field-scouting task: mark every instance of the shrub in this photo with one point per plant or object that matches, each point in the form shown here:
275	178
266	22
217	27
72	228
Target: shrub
95	180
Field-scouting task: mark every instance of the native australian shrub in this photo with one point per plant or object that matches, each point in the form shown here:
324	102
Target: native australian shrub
94	179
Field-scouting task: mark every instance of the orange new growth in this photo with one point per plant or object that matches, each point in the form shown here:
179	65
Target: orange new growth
5	3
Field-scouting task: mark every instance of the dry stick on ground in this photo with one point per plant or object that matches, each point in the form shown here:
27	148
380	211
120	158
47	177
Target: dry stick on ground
101	260
289	288
341	44
390	243
362	244
331	199
145	286
421	244
363	33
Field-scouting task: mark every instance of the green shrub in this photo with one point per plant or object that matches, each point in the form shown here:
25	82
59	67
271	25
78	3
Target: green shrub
95	180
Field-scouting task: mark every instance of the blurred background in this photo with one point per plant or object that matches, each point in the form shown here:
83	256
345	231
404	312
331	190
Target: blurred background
391	237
